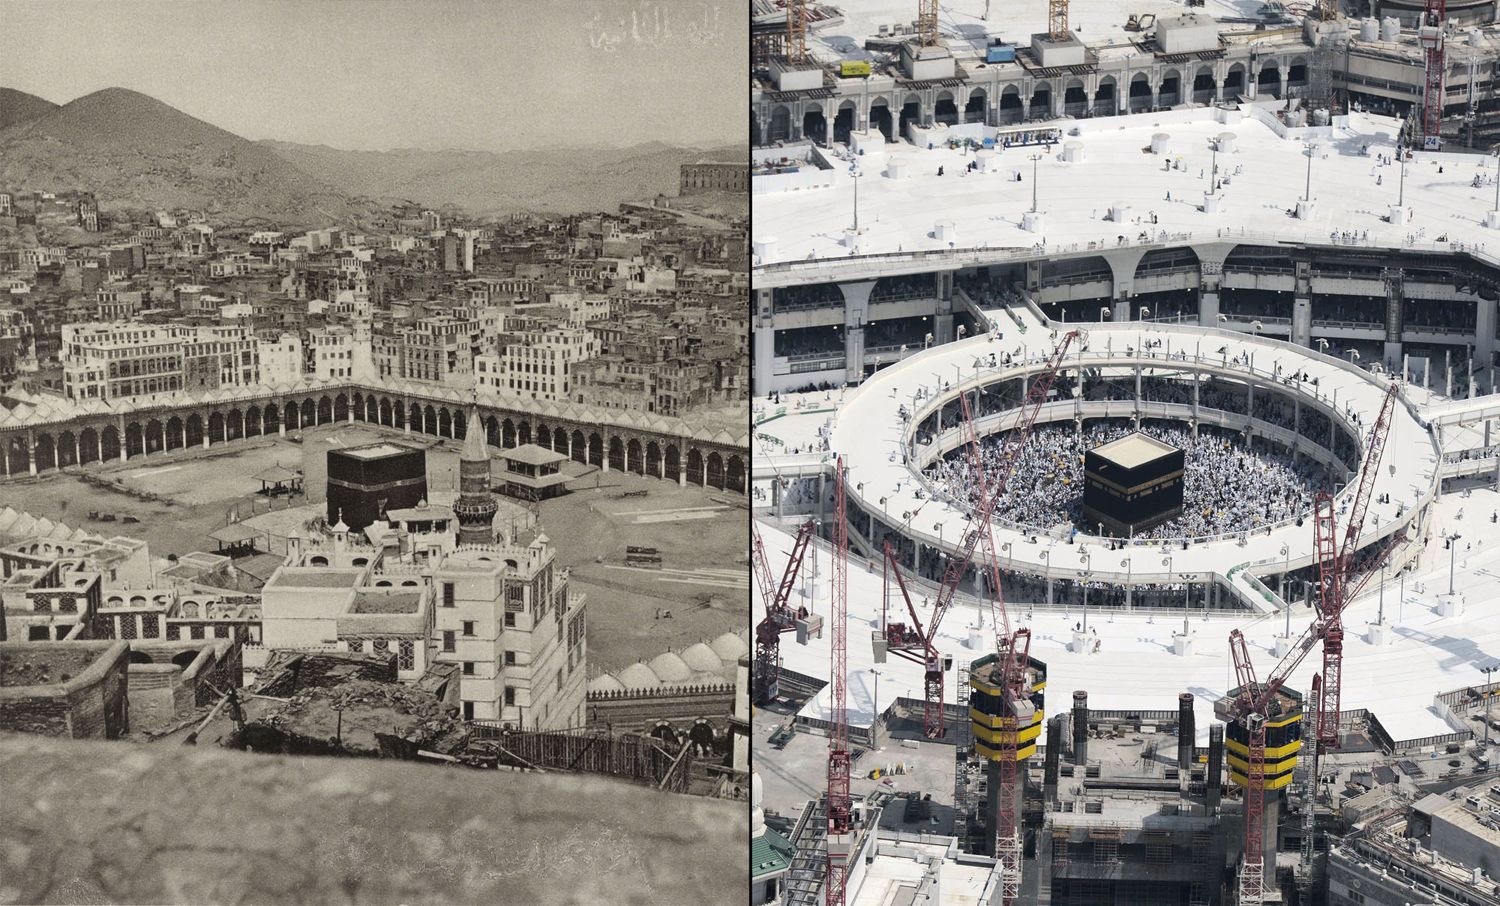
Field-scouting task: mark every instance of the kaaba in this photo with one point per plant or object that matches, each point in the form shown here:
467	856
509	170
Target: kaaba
364	482
1132	484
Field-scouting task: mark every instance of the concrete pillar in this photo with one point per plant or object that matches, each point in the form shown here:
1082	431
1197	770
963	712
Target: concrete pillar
856	316
1080	727
681	473
1302	320
124	447
31	453
78	444
184	433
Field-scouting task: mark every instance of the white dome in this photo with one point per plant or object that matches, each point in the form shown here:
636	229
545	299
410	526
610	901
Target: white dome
729	647
702	659
605	683
757	814
638	676
670	668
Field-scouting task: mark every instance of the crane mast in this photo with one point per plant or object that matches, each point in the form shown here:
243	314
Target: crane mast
1430	35
906	641
840	816
779	617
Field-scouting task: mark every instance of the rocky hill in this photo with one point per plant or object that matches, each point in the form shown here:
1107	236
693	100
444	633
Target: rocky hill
19	107
559	180
135	152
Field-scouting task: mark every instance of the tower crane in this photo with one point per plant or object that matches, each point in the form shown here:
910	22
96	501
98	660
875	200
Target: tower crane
916	643
1335	558
927	22
779	616
840	812
1430	35
796	31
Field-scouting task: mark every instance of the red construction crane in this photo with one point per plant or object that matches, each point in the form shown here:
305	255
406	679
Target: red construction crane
917	643
840	812
1335	584
779	616
796	31
1430	34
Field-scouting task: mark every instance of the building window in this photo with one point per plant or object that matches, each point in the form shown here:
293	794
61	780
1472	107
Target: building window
510	619
468	668
510	658
447	594
468	627
406	654
468	710
510	695
37	633
448	642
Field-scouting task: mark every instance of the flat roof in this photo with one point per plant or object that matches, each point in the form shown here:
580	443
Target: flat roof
385	600
1133	450
375	450
315	577
532	455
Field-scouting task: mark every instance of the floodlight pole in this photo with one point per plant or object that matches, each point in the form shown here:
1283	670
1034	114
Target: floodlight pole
1034	159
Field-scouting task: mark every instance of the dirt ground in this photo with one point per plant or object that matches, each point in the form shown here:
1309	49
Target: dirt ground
702	534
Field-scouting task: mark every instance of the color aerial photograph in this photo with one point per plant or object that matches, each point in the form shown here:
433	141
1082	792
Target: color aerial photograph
374	452
1125	467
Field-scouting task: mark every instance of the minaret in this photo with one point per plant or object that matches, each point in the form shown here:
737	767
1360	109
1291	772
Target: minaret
475	508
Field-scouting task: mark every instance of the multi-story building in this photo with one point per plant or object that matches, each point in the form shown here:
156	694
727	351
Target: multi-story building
219	356
118	302
17	343
112	361
436	349
281	359
538	364
330	353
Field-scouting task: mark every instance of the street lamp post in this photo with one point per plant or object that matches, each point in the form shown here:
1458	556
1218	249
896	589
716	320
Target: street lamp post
1489	695
1034	159
1128	586
1452	559
854	172
1307	192
1286	555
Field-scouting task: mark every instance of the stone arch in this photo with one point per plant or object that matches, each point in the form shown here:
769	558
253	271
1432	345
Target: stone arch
444	422
1141	97
460	425
174	432
293	415
492	431
309	414
653	458
109	444
616	453
560	440
184	659
672	464
1105	96
945	109
154	439
252	422
46	450
134	441
1205	86
386	412
843	121
1011	108
508	433
271	418
1075	98
67	449
694	466
1234	80
88	444
781	124
734	474
543	436
814	122
634	461
1041	99
910	112
429	420
138	657
1296	73
596	449
325	410
881	120
1268	80
523	432
340	407
974	107
580	447
234	424
715	470
1169	92
190	610
215	426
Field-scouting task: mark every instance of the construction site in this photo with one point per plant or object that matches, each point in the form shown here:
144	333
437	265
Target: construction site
1126	497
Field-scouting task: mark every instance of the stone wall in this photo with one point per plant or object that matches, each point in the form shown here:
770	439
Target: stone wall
680	706
311	830
89	705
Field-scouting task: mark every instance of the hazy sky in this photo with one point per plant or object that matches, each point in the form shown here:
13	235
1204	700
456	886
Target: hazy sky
374	74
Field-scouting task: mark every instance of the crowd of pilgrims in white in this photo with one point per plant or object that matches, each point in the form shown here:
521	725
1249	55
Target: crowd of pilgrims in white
1227	487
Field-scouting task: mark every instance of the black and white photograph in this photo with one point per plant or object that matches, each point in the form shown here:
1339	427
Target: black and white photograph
374	453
